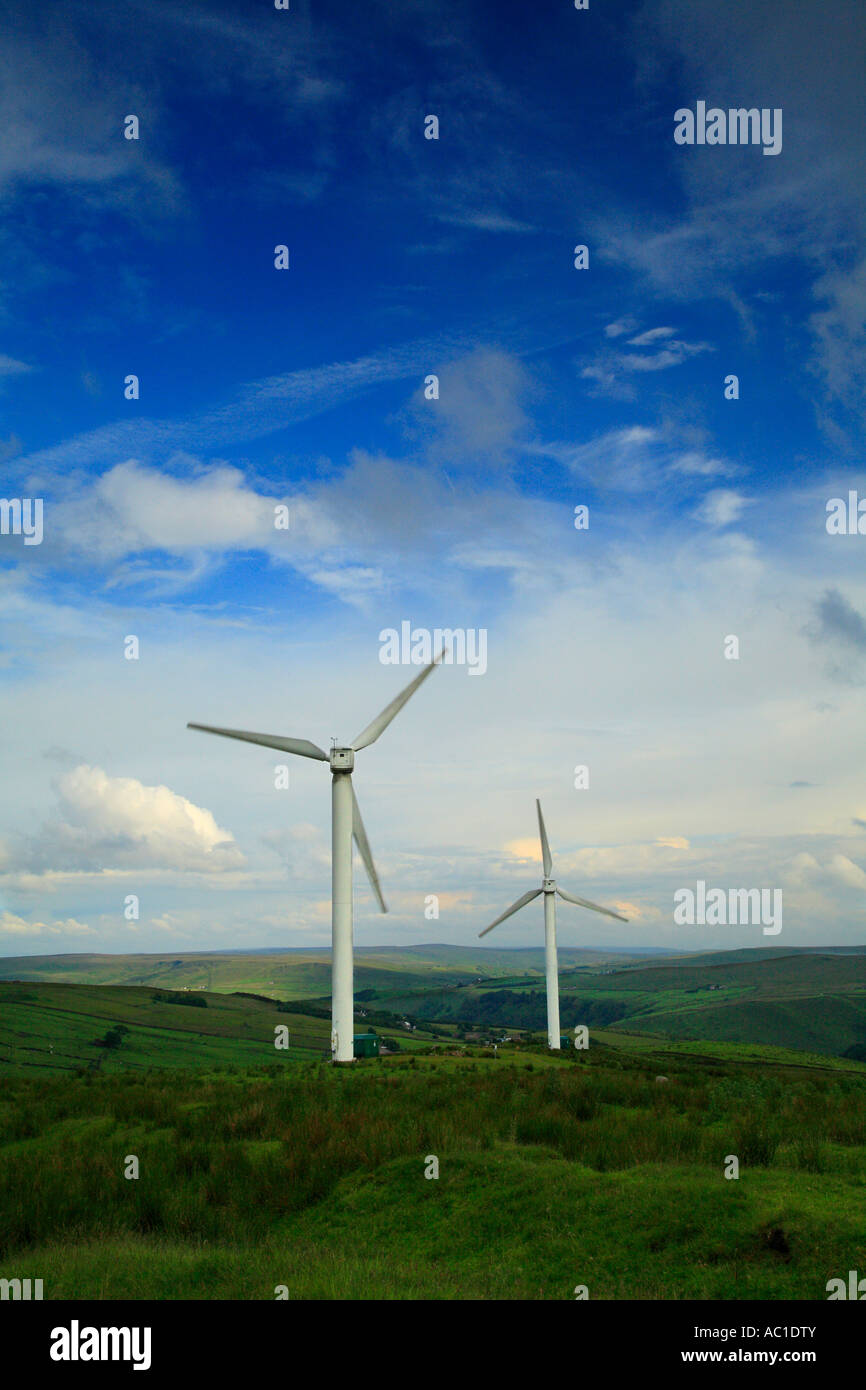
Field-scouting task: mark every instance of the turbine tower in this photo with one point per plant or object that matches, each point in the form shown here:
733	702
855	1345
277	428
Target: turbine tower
549	888
346	825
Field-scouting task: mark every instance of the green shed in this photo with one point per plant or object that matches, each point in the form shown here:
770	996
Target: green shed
366	1045
564	1042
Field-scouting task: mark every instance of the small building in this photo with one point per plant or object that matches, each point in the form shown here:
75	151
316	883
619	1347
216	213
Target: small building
366	1045
564	1042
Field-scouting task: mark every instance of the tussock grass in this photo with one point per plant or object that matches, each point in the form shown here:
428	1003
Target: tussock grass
311	1176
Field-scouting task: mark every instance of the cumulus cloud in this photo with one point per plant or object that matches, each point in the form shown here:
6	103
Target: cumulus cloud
134	508
528	849
119	823
12	925
847	871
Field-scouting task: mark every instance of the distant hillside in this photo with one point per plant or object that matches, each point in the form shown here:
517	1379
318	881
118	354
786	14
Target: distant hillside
753	953
296	973
47	1028
805	999
808	1001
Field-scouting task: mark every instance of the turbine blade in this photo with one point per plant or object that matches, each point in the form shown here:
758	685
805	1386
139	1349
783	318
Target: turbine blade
584	902
381	722
302	746
545	847
363	844
515	907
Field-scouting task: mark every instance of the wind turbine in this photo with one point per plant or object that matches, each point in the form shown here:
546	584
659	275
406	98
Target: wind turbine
550	888
346	825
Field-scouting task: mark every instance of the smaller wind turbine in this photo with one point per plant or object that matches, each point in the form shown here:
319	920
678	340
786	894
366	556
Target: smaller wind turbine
549	888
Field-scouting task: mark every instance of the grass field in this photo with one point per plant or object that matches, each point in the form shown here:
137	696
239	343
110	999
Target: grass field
553	1172
48	1028
261	1170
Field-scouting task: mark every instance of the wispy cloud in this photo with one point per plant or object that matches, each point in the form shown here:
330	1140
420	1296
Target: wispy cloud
254	411
10	366
633	458
608	369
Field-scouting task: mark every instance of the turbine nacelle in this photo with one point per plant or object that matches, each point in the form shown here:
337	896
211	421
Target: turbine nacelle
342	759
548	885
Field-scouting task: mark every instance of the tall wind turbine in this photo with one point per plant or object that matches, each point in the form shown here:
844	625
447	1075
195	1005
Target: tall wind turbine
346	824
550	888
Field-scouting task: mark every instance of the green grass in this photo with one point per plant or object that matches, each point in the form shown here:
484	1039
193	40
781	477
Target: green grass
553	1172
771	996
48	1028
261	1168
809	1001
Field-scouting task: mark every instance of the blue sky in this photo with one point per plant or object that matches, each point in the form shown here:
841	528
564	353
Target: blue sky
558	387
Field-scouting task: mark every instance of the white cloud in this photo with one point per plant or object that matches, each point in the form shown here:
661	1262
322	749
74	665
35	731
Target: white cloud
609	369
620	327
702	465
651	335
672	355
632	458
12	925
722	507
133	508
118	822
847	871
